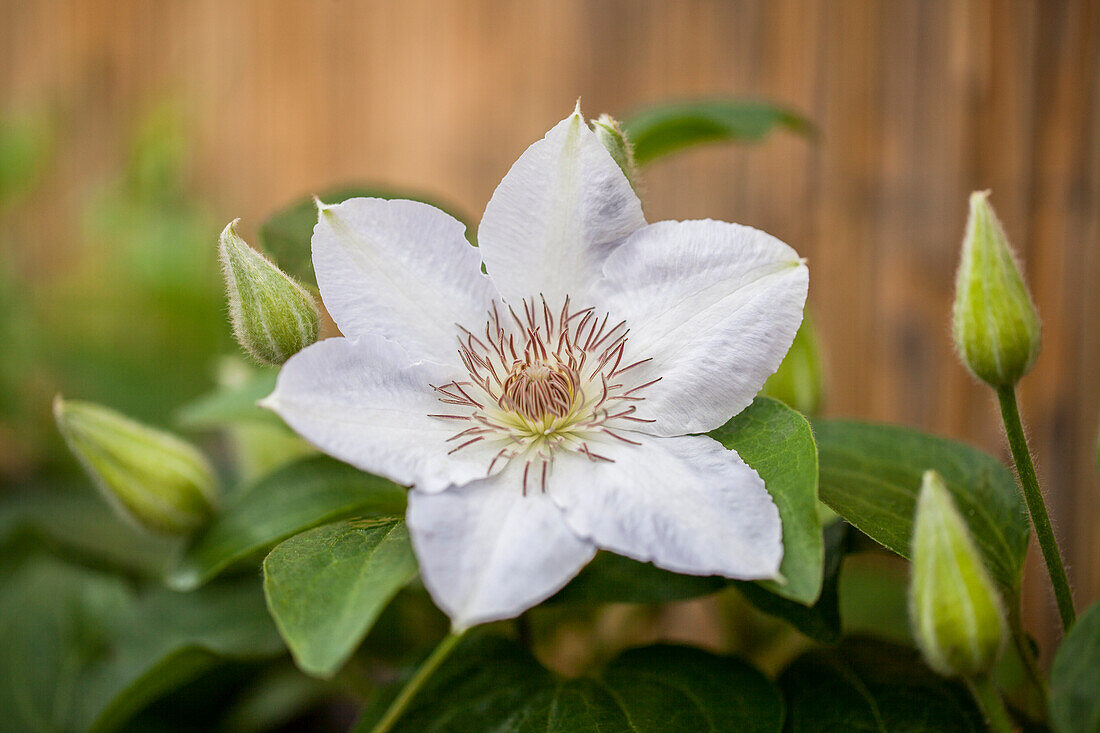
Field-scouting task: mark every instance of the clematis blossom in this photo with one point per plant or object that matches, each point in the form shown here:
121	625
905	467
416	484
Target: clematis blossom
553	406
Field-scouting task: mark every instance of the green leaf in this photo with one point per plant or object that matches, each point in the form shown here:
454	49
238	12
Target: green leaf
286	235
79	650
493	684
272	701
228	405
53	624
777	442
664	129
1074	682
874	596
326	587
611	578
871	474
260	442
303	495
78	522
873	686
165	639
821	621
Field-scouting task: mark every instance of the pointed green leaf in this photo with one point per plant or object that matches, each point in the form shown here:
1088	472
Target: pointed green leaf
777	442
53	624
611	578
865	685
80	650
821	621
1074	678
493	684
232	404
667	128
326	587
77	521
165	639
302	495
871	474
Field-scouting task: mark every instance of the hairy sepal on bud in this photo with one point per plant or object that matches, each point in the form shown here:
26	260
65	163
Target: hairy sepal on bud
996	326
150	477
610	134
954	608
273	316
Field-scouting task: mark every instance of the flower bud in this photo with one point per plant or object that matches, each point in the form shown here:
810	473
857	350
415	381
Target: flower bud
954	608
150	477
273	316
611	136
996	326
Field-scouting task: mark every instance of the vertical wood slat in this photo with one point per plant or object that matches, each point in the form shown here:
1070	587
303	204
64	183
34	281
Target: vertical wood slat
918	102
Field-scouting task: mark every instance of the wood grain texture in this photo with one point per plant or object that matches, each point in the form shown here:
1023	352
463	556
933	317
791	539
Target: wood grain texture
918	103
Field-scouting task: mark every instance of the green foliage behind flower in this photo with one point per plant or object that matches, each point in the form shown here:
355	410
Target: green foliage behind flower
131	312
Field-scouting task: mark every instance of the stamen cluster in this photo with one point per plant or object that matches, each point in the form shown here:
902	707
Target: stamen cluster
543	382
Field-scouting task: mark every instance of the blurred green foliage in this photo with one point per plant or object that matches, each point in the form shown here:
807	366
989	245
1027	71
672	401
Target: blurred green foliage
119	303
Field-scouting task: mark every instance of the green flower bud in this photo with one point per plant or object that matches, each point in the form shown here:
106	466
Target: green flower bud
996	326
151	477
954	608
799	381
611	135
273	316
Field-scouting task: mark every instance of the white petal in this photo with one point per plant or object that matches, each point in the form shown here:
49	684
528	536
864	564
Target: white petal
715	305
558	212
687	504
366	403
400	269
487	552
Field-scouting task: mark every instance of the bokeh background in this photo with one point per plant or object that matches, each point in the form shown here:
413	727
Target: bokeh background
133	130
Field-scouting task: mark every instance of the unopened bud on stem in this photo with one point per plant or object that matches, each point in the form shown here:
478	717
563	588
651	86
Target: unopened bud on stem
996	326
611	136
273	316
150	477
954	609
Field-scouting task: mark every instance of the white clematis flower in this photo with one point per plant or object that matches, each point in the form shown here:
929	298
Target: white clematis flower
551	407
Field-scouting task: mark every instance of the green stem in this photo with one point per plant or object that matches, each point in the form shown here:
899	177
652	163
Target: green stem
408	692
1010	412
1027	653
989	701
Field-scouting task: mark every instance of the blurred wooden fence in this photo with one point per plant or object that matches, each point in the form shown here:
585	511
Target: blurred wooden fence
918	103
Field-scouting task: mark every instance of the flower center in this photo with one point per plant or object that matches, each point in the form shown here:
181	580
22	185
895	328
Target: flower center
540	391
544	382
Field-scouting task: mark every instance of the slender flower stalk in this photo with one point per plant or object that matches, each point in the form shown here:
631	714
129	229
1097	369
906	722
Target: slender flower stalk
997	334
1014	429
416	682
990	703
